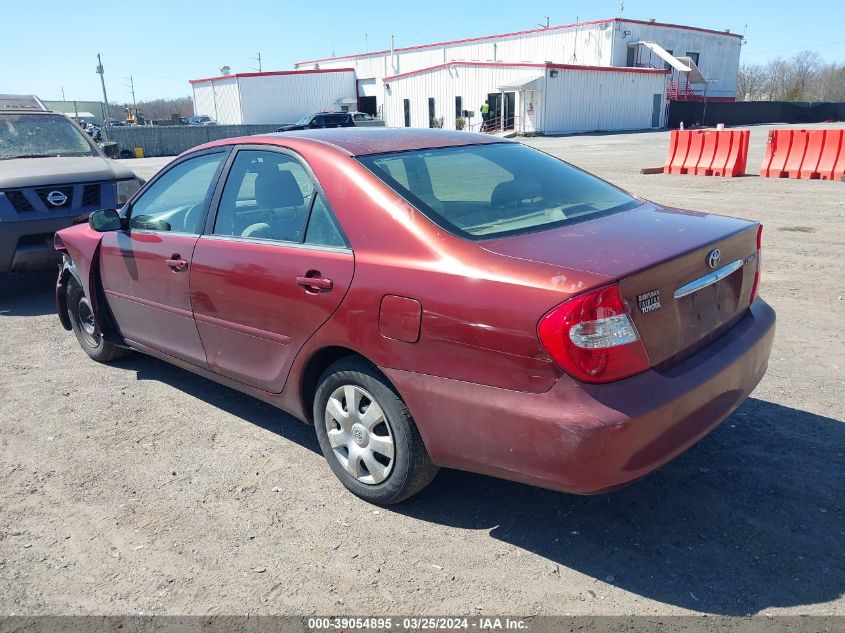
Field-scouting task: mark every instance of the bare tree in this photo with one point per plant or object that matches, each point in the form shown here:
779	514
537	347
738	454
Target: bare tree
778	79
804	67
751	82
156	109
829	83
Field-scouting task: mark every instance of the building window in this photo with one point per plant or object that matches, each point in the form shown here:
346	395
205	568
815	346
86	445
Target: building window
431	112
693	56
667	65
406	104
459	107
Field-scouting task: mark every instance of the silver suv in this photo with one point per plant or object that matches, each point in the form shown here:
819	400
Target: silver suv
50	173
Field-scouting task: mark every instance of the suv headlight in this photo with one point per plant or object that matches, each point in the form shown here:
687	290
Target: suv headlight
126	189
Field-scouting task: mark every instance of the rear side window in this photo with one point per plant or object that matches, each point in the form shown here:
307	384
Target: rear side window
491	190
267	195
323	229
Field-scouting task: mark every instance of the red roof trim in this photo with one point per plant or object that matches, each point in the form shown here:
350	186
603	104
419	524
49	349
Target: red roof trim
515	33
605	69
275	72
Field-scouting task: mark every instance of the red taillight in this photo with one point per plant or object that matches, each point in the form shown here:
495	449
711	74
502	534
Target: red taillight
756	285
59	244
592	338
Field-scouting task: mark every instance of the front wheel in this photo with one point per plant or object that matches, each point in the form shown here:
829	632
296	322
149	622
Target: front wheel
85	327
368	436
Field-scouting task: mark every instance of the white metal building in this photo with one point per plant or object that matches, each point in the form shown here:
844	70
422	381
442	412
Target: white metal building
611	43
549	98
273	97
611	74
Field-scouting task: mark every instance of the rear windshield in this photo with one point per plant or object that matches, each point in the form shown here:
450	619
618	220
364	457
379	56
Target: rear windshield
41	136
481	191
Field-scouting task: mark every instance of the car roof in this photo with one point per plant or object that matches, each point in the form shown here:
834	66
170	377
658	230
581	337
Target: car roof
21	103
12	110
361	141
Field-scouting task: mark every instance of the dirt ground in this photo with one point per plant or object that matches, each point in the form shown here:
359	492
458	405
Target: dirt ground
139	487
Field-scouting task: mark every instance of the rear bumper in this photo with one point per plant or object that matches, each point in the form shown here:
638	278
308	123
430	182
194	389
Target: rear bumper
22	249
590	438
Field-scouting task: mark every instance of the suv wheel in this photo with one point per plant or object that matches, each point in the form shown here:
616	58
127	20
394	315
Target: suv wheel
368	436
85	327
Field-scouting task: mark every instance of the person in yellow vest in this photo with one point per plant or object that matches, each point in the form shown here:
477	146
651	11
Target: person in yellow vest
485	115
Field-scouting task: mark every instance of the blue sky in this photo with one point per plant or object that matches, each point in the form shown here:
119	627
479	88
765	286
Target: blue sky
49	45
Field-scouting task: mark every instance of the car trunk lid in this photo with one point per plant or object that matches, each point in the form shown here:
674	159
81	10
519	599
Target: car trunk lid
677	294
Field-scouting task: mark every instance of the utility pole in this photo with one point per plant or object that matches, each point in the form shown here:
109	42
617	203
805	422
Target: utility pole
257	59
63	93
105	97
131	86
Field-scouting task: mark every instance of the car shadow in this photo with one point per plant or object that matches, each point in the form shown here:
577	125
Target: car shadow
229	400
28	294
748	519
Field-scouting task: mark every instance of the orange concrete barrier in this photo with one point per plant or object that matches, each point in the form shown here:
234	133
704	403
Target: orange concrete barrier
807	154
707	152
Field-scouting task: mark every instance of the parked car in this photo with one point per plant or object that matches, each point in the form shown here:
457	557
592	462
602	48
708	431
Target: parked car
50	172
361	116
429	298
201	120
321	120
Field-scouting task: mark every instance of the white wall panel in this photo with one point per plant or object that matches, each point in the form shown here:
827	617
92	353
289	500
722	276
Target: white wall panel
285	98
204	99
587	101
573	101
218	98
471	83
718	54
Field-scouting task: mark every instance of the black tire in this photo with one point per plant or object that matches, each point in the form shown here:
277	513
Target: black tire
411	468
87	333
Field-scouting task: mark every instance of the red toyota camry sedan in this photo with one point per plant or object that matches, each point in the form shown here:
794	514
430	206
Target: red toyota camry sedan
431	299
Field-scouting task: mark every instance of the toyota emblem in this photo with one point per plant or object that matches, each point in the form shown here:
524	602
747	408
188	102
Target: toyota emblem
714	257
56	198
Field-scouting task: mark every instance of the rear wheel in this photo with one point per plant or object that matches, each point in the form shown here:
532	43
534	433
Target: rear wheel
368	436
85	327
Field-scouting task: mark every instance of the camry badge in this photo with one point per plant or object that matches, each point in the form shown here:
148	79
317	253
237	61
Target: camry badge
714	258
649	301
56	198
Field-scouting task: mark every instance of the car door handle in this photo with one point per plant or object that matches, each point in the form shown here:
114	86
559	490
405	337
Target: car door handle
177	264
314	283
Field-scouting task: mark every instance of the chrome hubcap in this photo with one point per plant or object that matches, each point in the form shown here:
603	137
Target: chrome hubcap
359	434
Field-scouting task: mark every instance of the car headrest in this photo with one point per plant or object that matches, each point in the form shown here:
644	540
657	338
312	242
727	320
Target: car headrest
277	188
512	192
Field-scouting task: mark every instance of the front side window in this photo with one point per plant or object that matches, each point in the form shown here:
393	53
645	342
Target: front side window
41	136
176	201
492	190
267	195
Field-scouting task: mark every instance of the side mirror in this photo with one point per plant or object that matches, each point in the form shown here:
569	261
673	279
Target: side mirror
105	220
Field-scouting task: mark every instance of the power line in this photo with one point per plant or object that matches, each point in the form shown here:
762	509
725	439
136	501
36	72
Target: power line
795	48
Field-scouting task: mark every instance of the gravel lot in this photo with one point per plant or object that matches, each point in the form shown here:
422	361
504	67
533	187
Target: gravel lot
139	487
